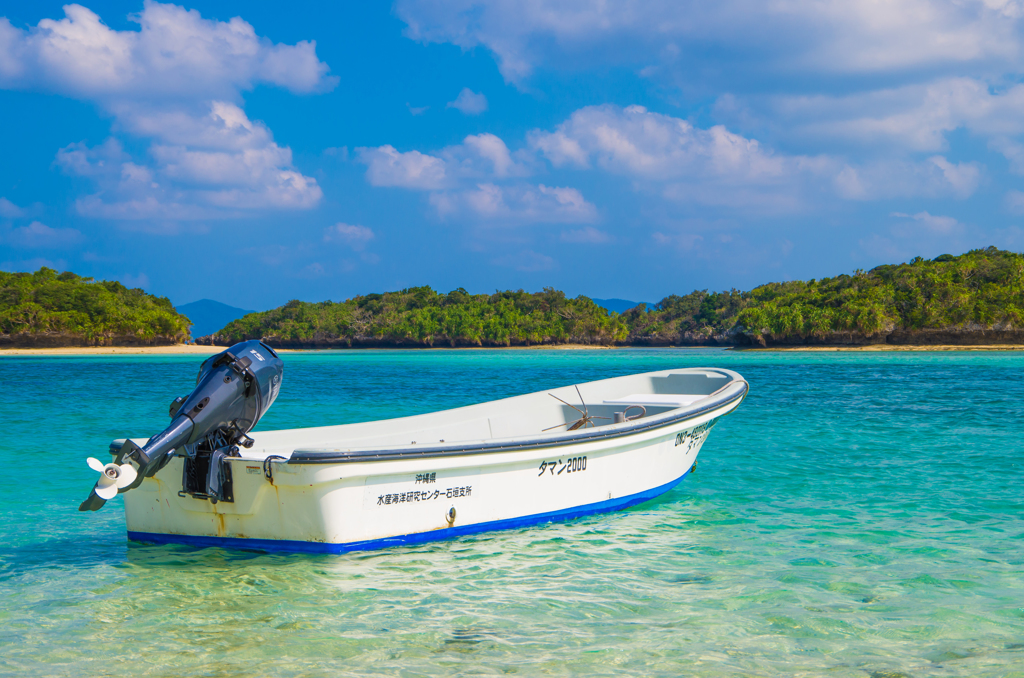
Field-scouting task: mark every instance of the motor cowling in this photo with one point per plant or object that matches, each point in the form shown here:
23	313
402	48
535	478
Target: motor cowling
233	391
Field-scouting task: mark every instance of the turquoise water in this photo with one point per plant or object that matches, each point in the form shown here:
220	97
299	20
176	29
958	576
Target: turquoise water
859	515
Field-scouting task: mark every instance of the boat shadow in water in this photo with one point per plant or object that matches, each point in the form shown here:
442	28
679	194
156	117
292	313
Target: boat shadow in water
141	554
85	552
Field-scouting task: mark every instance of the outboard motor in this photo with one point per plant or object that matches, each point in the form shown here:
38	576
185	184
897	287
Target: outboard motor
233	390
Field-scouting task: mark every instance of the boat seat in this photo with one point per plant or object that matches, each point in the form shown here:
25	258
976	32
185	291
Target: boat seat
657	399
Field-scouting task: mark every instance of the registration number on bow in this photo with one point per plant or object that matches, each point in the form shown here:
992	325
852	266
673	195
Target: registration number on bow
571	465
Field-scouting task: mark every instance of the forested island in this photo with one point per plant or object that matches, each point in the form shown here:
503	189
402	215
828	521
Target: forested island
974	298
47	309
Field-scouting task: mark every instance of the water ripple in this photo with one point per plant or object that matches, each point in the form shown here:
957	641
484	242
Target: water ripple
860	515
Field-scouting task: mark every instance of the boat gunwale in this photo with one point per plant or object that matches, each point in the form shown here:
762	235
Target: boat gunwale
299	457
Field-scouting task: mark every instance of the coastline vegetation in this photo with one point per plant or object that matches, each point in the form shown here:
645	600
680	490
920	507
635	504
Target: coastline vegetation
982	290
419	316
977	297
61	309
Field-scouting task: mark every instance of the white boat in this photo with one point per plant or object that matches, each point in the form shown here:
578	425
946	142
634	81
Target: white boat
547	456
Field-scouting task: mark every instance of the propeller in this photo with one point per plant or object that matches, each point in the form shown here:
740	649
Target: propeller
113	477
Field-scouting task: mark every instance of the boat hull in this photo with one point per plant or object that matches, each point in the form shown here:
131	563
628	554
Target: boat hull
349	503
292	546
339	508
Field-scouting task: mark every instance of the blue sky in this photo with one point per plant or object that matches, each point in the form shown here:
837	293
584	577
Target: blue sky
239	152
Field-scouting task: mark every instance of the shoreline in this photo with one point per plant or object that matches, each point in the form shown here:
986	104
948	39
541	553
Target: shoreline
177	349
194	349
888	347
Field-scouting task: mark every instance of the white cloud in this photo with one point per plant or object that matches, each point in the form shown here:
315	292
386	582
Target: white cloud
38	235
716	167
935	177
178	81
560	149
963	177
930	223
488	148
517	203
680	162
237	168
587	234
659	155
175	54
637	142
661	38
351	234
8	210
481	156
913	117
1012	150
901	76
479	179
469	102
386	166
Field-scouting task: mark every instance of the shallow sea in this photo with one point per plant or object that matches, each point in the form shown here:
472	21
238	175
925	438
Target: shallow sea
861	514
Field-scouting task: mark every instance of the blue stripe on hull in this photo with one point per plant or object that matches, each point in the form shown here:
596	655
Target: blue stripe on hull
407	539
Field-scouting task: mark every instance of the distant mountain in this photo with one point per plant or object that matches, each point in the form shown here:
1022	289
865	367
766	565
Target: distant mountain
620	305
209	316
